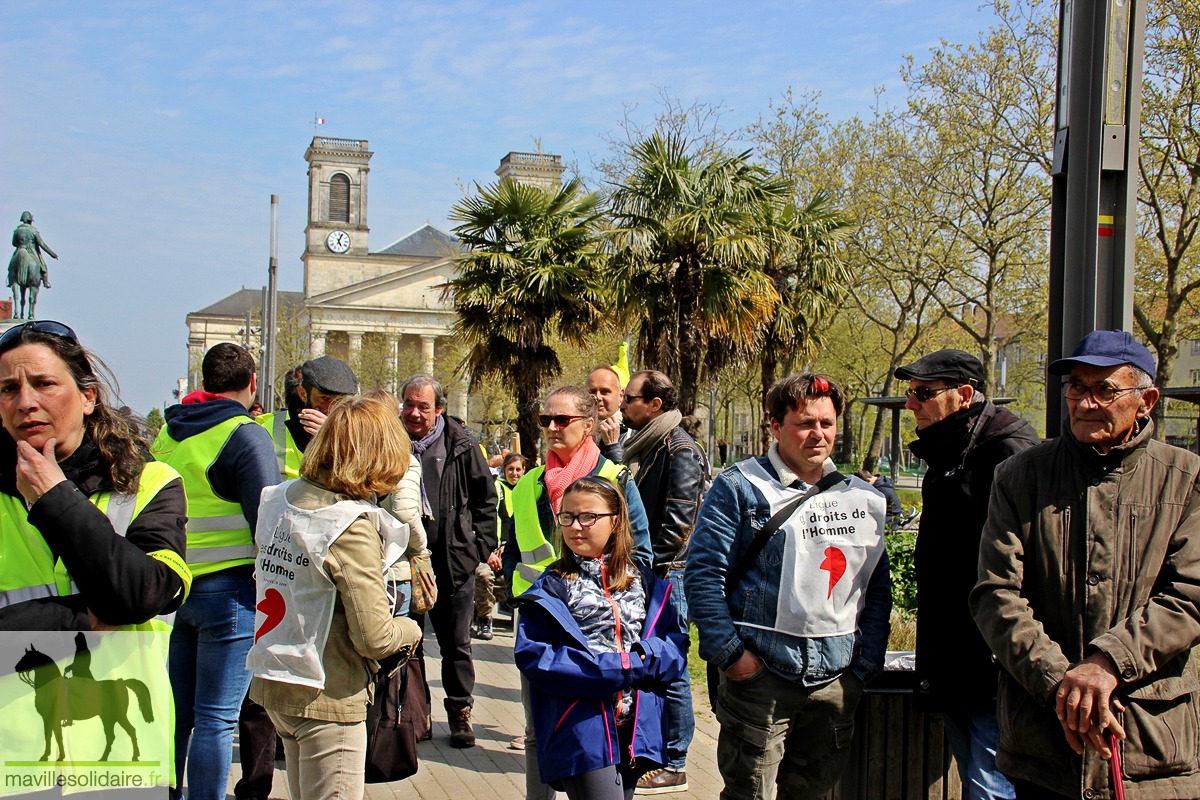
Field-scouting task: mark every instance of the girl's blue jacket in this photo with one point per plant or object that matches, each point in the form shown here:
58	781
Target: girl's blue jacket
572	687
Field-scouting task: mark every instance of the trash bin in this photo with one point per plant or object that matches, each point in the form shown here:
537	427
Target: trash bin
897	753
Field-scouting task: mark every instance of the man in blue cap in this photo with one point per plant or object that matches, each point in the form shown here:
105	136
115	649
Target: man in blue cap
1088	592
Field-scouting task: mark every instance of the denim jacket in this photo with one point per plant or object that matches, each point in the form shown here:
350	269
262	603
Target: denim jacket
733	513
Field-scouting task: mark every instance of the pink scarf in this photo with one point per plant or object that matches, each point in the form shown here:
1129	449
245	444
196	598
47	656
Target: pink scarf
558	476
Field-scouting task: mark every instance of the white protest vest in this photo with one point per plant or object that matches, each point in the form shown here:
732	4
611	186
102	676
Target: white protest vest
834	542
294	593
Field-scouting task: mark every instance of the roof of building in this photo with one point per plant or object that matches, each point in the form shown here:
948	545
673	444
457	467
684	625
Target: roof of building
426	242
243	300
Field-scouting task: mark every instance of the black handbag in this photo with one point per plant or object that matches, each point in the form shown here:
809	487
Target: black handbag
391	738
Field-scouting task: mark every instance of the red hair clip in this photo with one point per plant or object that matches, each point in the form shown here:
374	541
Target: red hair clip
820	385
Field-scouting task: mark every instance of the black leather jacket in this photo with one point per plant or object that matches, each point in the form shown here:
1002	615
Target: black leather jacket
671	483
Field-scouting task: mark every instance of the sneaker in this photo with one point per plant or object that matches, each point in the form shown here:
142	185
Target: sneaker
484	629
662	781
461	734
517	743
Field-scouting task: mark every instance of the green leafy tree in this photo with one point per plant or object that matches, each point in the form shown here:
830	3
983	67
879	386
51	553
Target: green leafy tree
686	265
154	422
1168	267
802	260
531	270
986	110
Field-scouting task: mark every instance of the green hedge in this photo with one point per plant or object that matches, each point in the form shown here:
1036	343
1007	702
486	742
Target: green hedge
900	548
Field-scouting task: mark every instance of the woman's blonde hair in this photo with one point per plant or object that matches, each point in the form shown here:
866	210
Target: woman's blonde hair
585	404
621	568
384	396
361	449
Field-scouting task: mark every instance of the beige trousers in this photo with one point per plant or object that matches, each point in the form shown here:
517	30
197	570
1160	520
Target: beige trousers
325	760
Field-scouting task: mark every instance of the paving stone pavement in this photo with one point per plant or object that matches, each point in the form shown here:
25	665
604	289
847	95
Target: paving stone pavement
490	770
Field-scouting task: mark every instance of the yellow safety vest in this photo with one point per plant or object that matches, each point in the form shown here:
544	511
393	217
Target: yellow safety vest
286	452
29	570
537	552
218	534
504	505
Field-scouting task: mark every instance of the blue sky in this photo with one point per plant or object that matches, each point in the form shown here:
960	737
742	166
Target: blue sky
147	137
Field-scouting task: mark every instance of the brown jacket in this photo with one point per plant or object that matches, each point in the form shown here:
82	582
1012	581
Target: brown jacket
1084	553
362	630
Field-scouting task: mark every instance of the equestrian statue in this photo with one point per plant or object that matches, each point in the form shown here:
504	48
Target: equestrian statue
60	700
27	268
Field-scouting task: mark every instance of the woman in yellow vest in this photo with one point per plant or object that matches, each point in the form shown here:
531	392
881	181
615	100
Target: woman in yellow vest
569	417
91	532
492	584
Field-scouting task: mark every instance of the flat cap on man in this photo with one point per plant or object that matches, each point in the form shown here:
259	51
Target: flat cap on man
1107	349
954	366
330	375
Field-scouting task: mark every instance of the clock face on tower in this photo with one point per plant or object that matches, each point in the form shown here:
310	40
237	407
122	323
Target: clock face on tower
338	241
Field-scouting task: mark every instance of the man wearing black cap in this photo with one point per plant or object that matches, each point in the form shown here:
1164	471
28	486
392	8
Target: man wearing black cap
322	381
962	436
1089	592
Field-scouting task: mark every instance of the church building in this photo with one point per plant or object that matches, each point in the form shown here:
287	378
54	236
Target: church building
381	310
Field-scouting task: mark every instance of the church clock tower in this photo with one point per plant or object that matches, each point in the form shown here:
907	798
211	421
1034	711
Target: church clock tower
337	198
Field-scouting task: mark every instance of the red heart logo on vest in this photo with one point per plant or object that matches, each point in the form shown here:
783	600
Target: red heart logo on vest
273	606
835	562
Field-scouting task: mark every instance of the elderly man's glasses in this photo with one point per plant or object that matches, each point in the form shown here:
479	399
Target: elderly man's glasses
560	420
1102	393
586	520
924	394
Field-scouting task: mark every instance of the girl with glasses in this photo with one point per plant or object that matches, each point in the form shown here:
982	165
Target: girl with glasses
598	641
569	417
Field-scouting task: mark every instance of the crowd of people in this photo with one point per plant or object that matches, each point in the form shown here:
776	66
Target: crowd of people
295	558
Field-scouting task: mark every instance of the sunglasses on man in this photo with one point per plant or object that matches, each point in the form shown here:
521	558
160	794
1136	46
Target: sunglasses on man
924	394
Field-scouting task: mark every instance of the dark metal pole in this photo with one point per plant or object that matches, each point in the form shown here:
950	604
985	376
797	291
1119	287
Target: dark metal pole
1094	192
895	459
264	380
270	325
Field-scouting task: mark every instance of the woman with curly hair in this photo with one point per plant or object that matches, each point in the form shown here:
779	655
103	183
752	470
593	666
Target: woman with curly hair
91	528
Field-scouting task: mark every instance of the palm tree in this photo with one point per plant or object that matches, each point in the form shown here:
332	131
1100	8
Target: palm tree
685	266
532	268
801	259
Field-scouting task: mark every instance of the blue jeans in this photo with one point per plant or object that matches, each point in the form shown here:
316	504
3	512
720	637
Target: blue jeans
973	739
213	632
679	725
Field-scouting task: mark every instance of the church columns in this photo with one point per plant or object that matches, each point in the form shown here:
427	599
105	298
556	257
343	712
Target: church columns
317	348
355	341
458	401
427	352
392	342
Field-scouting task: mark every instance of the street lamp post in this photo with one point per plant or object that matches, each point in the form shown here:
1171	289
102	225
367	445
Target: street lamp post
1094	193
